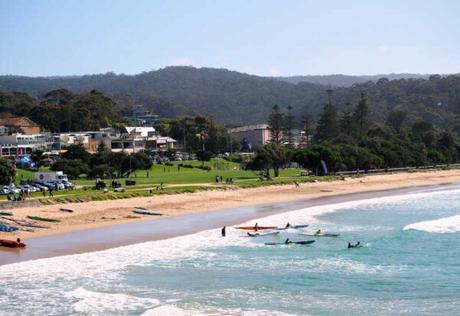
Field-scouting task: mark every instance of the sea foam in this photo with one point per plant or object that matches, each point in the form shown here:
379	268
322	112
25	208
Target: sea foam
449	224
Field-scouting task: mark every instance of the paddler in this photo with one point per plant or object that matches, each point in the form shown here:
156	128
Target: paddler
287	241
349	245
256	227
287	225
318	232
223	231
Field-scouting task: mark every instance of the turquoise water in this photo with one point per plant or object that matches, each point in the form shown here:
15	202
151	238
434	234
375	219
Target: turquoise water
410	264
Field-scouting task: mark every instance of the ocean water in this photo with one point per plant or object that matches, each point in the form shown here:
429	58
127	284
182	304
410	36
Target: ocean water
410	264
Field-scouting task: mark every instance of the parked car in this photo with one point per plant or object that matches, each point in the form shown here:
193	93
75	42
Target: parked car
47	185
13	189
28	188
5	190
68	185
58	185
40	187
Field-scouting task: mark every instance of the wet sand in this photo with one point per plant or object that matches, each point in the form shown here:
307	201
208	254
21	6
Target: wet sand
121	235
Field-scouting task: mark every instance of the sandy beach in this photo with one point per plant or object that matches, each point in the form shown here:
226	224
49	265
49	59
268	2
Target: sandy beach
105	213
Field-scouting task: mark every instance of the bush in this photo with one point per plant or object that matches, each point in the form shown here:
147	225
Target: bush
72	168
207	168
234	158
182	165
7	172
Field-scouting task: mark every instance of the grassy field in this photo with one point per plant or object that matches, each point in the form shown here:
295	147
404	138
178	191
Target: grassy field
175	180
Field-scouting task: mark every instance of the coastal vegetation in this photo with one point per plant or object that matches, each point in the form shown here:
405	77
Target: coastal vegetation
351	140
234	98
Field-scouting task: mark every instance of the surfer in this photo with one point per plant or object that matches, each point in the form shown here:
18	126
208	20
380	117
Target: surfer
318	232
223	231
288	225
256	227
287	241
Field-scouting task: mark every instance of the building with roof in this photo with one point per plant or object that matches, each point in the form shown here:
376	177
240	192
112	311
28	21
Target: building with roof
142	117
140	131
16	145
21	125
252	136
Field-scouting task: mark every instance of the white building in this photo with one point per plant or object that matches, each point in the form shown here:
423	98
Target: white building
141	131
21	144
254	136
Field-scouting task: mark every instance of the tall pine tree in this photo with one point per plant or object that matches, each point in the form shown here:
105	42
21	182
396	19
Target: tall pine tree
328	123
361	116
276	126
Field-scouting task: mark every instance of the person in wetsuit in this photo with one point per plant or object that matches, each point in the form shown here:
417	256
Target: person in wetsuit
223	231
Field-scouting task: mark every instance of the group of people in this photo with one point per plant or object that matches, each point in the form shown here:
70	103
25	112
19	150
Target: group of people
219	179
158	188
21	196
357	245
288	241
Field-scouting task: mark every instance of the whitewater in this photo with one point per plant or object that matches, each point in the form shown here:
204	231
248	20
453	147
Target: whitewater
409	265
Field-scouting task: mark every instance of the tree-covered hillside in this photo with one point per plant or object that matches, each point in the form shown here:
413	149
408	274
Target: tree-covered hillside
339	80
235	98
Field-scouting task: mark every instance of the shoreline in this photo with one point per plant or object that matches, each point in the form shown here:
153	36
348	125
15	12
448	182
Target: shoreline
121	234
97	214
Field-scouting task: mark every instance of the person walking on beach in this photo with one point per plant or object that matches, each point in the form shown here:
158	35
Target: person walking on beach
223	231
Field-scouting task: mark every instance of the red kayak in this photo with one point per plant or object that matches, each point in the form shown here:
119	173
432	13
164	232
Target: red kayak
254	228
11	243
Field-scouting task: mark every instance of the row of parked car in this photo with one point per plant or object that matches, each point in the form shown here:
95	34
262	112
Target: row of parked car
38	186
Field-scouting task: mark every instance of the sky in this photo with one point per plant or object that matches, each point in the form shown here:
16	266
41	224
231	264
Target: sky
263	37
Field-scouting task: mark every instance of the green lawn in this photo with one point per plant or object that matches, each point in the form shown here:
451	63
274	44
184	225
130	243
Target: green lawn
172	175
174	180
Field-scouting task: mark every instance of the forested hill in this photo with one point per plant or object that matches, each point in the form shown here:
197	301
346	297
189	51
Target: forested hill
235	98
347	80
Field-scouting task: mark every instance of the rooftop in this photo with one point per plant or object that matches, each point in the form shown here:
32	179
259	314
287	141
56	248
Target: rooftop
249	128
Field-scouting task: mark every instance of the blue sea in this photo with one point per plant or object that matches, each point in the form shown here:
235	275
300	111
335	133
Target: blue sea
410	264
